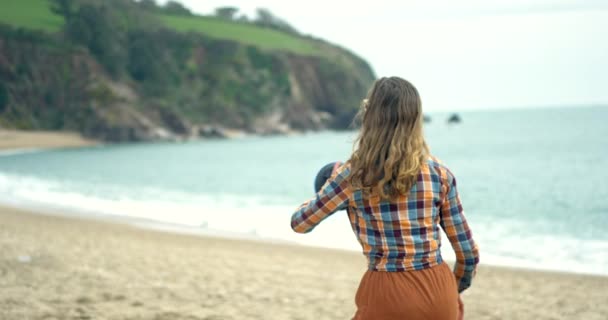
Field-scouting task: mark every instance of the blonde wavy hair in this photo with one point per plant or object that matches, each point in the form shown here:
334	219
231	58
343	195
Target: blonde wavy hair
390	148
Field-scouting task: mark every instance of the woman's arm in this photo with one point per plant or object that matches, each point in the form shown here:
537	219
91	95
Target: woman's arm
332	197
457	229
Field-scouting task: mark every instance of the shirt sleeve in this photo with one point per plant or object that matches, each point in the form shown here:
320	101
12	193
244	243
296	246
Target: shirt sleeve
332	197
457	229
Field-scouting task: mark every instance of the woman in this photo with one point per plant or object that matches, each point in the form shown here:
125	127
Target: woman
397	196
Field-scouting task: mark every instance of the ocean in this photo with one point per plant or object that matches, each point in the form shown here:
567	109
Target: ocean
533	182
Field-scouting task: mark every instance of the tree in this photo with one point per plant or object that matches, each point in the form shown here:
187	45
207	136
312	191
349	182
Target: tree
243	18
148	4
3	97
96	28
174	7
265	18
64	8
227	13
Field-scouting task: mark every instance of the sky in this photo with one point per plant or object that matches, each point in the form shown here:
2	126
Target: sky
467	54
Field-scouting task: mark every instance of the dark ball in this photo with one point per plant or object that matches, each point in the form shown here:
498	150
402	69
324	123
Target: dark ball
324	174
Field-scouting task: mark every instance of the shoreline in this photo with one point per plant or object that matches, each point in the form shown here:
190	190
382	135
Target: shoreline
178	229
15	141
61	267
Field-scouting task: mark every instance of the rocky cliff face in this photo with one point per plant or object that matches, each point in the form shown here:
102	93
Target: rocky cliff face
326	93
197	86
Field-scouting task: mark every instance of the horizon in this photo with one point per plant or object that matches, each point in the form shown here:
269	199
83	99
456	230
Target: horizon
549	52
514	108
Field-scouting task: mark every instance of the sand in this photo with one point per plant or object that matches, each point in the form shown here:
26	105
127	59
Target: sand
12	139
54	267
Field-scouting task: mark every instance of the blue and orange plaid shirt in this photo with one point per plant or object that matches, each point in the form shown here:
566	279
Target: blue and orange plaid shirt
400	235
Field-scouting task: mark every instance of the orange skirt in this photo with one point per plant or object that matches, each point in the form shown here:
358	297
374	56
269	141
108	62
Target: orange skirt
428	294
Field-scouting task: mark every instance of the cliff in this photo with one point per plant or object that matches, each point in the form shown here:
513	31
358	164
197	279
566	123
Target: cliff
146	80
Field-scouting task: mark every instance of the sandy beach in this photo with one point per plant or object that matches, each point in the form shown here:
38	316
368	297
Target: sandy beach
55	267
13	139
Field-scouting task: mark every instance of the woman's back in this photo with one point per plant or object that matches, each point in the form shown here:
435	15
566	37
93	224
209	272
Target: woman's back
401	234
397	197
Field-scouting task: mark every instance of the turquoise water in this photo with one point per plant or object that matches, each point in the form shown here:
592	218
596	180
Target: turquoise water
534	184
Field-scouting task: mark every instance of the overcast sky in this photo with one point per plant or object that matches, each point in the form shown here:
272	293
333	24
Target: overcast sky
467	54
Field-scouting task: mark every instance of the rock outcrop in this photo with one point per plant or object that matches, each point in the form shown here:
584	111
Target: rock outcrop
454	119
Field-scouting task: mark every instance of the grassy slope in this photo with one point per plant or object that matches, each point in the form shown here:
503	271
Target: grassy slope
249	34
31	14
36	14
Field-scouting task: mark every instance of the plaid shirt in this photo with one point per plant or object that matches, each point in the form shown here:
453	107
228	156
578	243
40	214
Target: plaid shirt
402	235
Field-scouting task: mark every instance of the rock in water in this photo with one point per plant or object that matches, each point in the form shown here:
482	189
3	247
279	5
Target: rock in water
454	118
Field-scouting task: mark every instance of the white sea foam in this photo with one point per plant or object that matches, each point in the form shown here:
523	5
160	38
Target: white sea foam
240	216
12	152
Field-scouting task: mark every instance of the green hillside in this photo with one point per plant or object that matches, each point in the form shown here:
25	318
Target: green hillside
31	14
245	33
37	14
121	70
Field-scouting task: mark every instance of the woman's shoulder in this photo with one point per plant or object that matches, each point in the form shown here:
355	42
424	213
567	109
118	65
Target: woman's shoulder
342	171
438	167
435	162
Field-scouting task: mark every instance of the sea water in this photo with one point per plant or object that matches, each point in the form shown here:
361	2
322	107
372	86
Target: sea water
534	184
